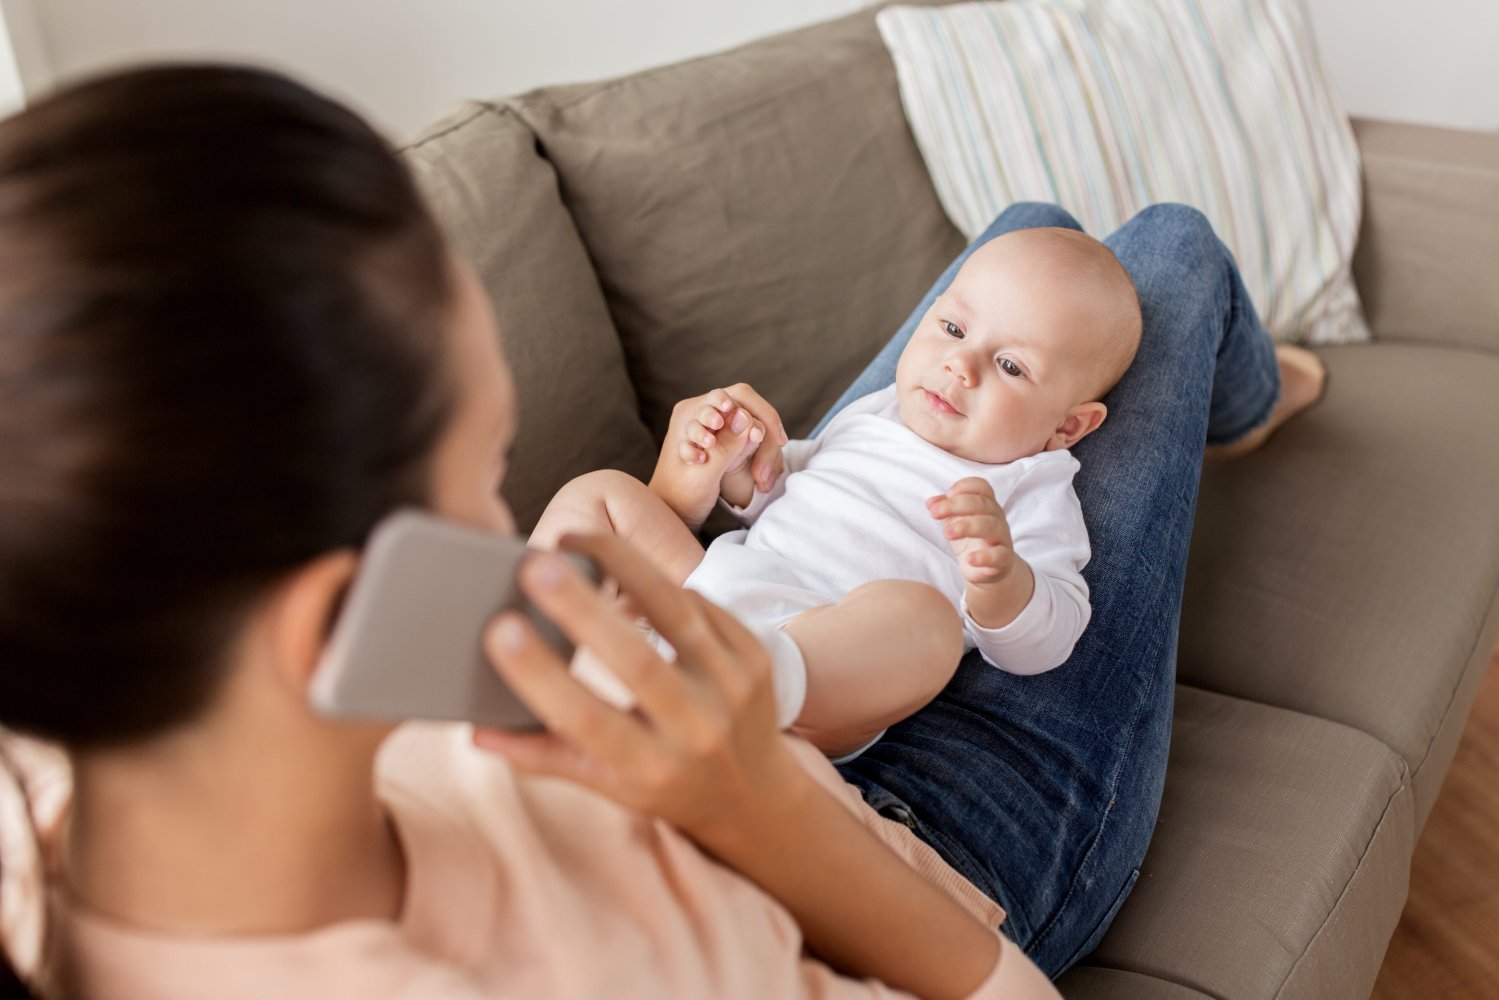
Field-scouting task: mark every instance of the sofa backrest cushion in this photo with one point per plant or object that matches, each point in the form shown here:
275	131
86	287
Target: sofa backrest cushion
1425	260
761	215
498	202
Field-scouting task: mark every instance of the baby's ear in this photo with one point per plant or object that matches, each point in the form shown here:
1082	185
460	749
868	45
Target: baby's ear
1080	421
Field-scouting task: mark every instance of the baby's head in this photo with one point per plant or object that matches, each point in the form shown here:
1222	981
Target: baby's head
1013	358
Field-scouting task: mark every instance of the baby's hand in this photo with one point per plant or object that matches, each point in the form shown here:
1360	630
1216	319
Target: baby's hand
999	582
724	440
975	525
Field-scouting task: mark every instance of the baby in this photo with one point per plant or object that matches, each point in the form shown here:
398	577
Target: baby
864	585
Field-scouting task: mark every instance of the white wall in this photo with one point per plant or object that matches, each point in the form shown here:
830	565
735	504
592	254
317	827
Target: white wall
23	60
1432	61
403	61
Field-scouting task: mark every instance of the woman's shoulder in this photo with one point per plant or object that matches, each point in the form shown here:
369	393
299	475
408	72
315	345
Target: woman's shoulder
436	768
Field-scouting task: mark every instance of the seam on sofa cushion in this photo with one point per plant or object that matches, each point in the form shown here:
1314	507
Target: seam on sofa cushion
1439	345
1091	963
478	108
1446	166
1476	646
1405	784
1406	340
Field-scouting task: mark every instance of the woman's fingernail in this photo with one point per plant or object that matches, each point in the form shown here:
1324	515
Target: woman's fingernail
510	634
547	572
740	422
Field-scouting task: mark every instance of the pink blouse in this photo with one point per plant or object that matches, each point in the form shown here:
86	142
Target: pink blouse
523	887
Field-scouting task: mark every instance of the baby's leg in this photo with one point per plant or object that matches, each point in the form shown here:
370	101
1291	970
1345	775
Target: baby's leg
615	503
873	658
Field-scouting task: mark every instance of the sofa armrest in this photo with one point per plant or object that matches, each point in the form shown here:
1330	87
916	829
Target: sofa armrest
1425	263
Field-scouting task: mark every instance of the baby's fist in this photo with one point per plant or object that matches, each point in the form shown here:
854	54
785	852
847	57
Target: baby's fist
974	524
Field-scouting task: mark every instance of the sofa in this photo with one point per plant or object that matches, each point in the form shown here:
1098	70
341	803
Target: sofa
764	215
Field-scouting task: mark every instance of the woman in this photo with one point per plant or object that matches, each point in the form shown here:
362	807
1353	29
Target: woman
231	340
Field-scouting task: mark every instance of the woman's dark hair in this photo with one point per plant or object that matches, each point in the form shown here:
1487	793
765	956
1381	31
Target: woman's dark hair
222	305
221	309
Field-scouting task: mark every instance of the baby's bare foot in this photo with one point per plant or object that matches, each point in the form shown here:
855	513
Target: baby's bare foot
690	480
1303	377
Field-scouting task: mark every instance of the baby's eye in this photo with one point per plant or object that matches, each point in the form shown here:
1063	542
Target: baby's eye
952	329
1011	368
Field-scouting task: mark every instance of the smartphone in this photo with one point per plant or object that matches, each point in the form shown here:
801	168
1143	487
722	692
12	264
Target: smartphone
408	641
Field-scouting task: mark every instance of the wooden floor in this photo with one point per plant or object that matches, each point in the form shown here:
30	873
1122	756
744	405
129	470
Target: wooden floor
1447	944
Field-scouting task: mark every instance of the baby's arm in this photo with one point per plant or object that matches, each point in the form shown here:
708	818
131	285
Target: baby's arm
746	499
1025	602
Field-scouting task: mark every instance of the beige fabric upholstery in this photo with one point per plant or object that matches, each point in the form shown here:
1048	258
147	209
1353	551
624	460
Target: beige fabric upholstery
1087	982
1428	774
762	216
1279	862
1425	265
498	202
1348	568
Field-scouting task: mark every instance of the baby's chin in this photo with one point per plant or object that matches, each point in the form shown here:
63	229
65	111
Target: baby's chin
954	434
934	430
993	452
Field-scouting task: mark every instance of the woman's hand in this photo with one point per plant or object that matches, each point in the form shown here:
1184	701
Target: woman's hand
700	749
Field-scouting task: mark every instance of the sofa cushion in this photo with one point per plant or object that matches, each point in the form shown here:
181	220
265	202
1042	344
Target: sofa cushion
497	200
1347	570
761	215
1425	261
1090	982
1279	863
1106	108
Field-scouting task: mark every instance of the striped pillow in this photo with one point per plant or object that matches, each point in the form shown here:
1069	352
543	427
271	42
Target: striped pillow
1105	106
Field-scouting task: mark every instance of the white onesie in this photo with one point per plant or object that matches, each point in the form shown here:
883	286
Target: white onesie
851	508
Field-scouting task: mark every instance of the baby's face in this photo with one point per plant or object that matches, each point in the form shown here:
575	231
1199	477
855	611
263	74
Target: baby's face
1003	356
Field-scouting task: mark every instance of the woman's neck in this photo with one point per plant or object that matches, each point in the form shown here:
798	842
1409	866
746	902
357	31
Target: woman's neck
235	829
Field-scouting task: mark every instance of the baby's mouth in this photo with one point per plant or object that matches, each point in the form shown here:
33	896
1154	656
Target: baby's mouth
940	403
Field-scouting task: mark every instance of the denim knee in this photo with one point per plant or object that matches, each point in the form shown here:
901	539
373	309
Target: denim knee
1184	222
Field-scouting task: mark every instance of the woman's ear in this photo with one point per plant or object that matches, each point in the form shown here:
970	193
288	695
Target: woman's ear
1080	421
300	614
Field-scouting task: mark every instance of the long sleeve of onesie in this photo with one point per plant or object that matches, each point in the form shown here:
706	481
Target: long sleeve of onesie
1047	529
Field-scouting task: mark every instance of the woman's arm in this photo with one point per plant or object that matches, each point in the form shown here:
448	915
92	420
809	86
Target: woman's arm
861	907
701	751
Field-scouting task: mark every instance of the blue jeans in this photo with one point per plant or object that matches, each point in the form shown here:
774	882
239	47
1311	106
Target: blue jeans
1044	790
